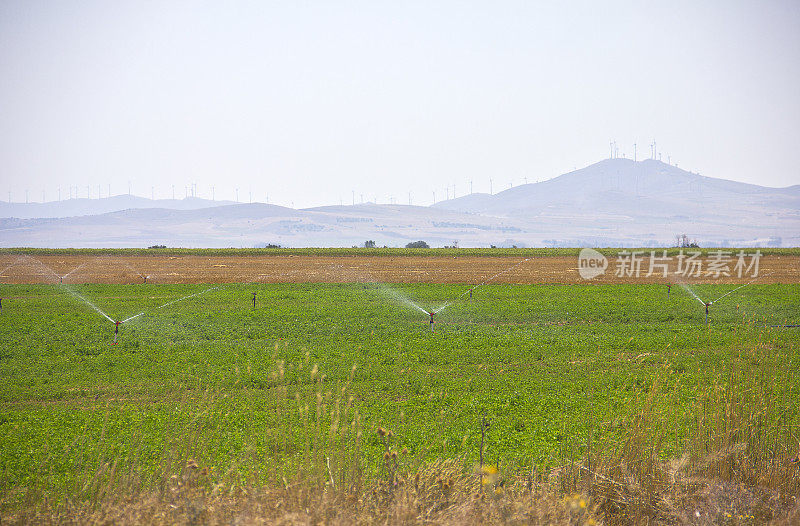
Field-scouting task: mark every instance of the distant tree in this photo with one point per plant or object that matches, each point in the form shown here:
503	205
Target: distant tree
683	242
369	244
158	246
418	244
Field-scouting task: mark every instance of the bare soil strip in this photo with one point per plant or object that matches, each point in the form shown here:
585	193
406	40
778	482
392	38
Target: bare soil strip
349	269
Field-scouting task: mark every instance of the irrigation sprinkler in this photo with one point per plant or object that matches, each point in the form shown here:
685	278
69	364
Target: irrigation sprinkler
408	302
116	331
254	300
669	286
707	304
1	304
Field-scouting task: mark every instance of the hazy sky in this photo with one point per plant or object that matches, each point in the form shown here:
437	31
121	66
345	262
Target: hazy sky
308	101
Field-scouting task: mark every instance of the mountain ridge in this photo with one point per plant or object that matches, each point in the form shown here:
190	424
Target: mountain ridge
615	202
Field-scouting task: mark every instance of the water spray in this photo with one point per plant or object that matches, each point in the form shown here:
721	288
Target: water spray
742	286
690	291
707	304
89	303
9	266
481	284
167	304
60	279
431	314
130	268
398	297
41	267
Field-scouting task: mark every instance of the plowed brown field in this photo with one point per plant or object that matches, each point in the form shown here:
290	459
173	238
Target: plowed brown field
343	269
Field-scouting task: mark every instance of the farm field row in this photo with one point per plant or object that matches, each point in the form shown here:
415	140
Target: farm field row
370	252
279	267
262	392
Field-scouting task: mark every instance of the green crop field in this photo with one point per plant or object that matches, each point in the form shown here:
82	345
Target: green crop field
306	377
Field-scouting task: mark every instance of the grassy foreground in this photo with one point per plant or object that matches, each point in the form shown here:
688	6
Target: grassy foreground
610	404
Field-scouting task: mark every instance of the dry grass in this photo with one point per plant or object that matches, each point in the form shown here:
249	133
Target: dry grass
441	493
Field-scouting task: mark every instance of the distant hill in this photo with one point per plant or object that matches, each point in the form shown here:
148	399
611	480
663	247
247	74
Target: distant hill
622	186
616	202
85	207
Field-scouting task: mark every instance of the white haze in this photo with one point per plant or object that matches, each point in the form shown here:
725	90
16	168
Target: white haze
310	103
